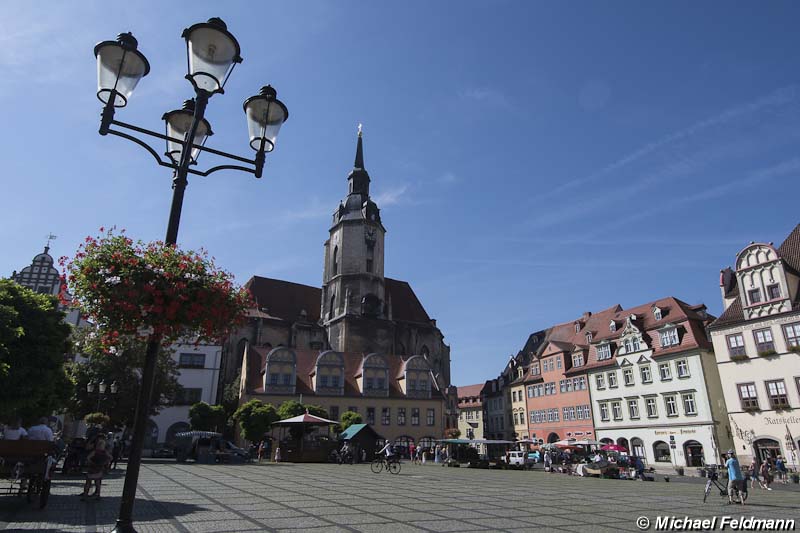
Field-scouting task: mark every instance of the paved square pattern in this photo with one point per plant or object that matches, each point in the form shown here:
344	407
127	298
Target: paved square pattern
322	498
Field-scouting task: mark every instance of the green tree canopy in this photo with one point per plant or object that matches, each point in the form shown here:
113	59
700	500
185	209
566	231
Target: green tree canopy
205	417
122	365
255	418
349	418
97	419
291	408
33	343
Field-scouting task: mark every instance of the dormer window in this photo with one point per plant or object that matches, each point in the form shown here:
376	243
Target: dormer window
577	327
632	344
589	337
603	352
577	359
657	313
375	374
669	337
774	291
612	327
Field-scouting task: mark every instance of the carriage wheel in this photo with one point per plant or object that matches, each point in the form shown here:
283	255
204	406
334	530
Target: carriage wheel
44	494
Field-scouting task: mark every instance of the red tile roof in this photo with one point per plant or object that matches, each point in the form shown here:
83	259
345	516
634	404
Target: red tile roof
405	305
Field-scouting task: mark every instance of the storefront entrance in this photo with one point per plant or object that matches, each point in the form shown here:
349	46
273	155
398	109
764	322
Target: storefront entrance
766	449
694	453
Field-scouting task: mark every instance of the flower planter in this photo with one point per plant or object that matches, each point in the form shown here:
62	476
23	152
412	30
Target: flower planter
767	353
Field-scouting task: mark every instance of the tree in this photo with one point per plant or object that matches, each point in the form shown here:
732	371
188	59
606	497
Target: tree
292	408
97	419
205	417
452	433
349	418
120	363
255	418
33	342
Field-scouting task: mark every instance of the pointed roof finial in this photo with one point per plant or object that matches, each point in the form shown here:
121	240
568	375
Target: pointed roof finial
359	151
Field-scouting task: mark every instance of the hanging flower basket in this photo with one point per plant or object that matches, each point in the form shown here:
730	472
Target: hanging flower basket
133	288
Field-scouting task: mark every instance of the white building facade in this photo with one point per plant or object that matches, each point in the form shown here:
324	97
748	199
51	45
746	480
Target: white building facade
757	346
655	389
199	376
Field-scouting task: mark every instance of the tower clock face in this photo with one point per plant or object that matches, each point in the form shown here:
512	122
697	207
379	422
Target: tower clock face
369	234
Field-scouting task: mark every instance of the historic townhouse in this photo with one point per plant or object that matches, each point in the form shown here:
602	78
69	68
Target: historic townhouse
556	388
654	384
470	411
493	398
757	346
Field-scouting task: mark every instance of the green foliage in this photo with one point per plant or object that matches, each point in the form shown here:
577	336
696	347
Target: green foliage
452	433
205	417
230	396
121	364
293	408
255	418
97	419
349	418
33	343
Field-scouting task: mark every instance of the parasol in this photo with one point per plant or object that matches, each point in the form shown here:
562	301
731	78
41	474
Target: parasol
613	448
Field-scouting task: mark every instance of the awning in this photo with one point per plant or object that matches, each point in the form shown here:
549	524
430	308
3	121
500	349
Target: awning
307	419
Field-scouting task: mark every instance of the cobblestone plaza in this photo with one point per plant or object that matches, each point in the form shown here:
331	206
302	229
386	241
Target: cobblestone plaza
326	498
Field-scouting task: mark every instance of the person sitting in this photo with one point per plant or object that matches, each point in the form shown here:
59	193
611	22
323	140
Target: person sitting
14	431
41	431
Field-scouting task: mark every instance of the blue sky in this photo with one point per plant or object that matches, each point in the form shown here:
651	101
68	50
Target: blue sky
532	160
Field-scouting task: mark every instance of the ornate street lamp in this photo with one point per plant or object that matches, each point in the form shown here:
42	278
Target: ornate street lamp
101	389
212	52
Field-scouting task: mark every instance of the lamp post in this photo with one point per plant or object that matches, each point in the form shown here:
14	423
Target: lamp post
212	52
101	389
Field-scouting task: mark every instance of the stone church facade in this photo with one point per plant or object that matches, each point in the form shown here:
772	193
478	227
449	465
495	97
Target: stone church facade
357	310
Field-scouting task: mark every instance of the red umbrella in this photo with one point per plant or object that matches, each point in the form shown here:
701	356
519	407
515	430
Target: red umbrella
613	448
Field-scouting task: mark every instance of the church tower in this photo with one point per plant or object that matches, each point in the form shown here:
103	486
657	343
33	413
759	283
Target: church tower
354	309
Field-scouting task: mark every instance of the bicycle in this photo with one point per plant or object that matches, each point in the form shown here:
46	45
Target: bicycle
381	463
712	476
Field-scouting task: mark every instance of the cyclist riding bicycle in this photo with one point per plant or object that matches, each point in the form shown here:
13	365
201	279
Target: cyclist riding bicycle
387	450
735	479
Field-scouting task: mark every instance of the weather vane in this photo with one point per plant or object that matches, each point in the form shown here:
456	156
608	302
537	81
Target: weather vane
50	237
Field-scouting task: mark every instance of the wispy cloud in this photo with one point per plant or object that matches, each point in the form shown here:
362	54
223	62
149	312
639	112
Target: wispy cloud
765	104
486	95
392	196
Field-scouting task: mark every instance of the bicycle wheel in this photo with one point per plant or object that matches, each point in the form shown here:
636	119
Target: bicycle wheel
376	466
394	467
708	489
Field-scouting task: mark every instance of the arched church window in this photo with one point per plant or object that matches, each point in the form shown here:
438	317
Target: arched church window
333	304
335	266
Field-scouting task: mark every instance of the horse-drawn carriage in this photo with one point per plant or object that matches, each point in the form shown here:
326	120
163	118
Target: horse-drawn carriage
27	467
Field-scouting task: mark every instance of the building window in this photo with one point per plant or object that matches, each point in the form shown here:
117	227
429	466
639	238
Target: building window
274	378
665	372
776	390
401	416
633	408
604	412
386	416
652	407
632	344
369	265
577	359
324	382
600	381
774	291
603	352
188	396
689	406
550	388
736	345
371	416
558	362
616	409
792	333
335	261
577	327
192	360
335	382
612	327
682	367
671	405
530	391
333	411
534	369
764	342
670	337
415	416
627	376
647	376
612	380
754	295
657	313
589	337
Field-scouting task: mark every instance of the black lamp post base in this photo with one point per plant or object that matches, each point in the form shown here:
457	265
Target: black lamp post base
123	527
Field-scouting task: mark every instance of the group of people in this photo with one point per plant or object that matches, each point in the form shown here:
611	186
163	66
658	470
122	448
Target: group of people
420	455
39	431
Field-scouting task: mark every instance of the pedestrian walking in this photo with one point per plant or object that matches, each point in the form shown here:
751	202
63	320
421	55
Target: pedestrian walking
766	474
97	461
780	469
261	447
735	478
116	452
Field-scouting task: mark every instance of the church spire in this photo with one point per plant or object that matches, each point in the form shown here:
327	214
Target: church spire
359	151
